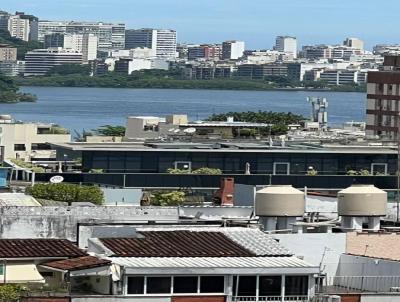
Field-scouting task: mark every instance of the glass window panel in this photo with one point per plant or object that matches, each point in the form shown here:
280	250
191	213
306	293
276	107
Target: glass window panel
296	285
185	285
158	285
135	285
247	286
212	284
270	285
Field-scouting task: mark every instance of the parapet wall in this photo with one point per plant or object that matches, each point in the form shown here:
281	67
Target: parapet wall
61	222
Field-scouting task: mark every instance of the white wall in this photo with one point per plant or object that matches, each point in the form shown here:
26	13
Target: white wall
311	246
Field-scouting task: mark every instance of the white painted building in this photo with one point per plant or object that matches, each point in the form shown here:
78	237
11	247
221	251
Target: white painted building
232	50
354	42
86	44
18	27
286	44
162	41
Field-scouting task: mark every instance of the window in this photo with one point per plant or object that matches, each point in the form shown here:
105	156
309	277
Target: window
41	147
212	284
1	269
296	285
19	147
158	285
135	285
47	274
270	285
245	285
185	285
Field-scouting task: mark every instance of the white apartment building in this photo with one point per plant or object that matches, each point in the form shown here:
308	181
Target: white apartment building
40	61
18	27
110	35
86	44
29	141
286	44
232	50
162	41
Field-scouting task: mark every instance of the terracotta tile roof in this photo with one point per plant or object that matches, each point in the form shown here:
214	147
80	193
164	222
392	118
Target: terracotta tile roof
77	263
39	248
176	244
374	245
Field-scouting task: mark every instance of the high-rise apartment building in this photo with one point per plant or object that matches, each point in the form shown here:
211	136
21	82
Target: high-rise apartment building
383	100
232	50
354	42
20	25
163	41
84	43
111	36
18	28
33	25
40	61
286	44
54	40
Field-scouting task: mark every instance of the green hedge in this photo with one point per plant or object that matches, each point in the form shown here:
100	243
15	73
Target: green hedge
67	193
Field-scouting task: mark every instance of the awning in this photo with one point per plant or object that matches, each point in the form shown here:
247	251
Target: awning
21	273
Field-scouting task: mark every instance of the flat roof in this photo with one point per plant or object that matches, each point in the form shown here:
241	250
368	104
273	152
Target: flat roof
226	147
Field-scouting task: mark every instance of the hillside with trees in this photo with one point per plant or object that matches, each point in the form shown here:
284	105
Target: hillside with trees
22	46
9	92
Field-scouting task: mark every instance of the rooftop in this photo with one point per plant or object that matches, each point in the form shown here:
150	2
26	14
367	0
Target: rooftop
80	263
38	248
374	245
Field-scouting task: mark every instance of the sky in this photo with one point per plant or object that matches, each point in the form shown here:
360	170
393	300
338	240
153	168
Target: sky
256	22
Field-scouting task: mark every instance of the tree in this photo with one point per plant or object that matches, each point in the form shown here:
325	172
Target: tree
109	130
22	46
10	293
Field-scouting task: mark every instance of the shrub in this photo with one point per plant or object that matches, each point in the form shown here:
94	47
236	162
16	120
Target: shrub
171	198
26	165
208	171
67	193
9	293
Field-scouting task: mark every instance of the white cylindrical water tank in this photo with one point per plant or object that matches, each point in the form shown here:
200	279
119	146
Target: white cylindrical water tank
280	201
362	200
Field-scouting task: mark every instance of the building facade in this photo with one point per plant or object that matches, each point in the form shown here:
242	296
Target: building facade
163	41
7	53
383	97
286	44
232	50
40	61
86	44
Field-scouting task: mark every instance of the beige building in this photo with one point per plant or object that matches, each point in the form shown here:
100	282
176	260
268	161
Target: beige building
28	141
7	53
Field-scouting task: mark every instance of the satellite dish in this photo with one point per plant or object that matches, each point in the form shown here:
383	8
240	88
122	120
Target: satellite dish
56	179
190	130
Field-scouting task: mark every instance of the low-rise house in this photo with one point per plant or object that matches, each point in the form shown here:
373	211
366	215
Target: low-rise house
189	264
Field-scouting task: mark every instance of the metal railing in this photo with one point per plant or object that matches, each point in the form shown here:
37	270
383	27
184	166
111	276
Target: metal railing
356	284
270	298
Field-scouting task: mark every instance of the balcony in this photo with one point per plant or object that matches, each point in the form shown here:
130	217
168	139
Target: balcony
270	298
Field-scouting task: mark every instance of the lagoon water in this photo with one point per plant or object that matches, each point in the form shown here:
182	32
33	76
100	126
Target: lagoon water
88	108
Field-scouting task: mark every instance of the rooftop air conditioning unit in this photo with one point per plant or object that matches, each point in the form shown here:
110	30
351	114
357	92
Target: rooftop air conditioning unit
331	299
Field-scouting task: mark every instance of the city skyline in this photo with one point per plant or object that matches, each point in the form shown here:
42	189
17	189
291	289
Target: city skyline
257	24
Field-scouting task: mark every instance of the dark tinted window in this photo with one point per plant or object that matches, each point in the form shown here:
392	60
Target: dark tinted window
135	285
245	285
296	285
185	285
270	285
158	285
212	284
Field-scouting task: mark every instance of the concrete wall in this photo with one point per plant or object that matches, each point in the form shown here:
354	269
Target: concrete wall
380	298
312	246
61	222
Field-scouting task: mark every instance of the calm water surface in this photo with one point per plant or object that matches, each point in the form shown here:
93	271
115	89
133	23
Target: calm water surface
88	108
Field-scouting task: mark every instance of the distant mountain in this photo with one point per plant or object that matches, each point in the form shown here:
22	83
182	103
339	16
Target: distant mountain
22	46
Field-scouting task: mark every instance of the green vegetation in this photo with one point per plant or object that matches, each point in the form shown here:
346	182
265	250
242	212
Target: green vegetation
69	69
9	92
66	192
78	76
22	46
171	198
203	170
10	293
109	130
279	121
26	165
